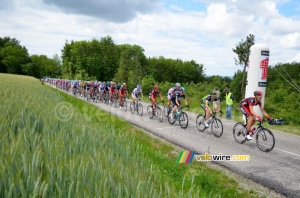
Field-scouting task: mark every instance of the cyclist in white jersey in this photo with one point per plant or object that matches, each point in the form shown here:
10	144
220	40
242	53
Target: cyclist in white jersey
135	93
173	90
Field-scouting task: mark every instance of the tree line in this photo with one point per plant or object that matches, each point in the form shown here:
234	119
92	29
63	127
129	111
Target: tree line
15	59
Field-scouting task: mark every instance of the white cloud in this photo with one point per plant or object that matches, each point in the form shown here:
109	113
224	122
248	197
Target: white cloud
207	37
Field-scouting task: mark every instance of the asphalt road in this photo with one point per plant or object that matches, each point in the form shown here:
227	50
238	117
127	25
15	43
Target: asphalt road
278	170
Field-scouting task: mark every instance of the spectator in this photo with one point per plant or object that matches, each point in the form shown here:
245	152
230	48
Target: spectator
229	102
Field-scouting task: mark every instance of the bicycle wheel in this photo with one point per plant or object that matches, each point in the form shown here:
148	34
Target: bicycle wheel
200	123
217	127
140	109
125	105
132	107
150	112
116	103
183	120
265	140
171	120
238	133
159	114
166	110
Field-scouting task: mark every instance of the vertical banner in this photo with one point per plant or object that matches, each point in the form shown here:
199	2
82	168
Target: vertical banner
257	72
263	72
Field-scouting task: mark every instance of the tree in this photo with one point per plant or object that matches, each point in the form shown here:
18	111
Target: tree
243	52
14	48
13	57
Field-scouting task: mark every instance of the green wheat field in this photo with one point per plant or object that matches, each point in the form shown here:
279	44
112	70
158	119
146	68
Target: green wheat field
54	145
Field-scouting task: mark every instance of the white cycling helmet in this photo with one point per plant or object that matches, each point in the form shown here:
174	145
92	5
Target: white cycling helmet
177	85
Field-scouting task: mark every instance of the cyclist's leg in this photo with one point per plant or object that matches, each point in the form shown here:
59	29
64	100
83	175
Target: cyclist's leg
207	113
249	117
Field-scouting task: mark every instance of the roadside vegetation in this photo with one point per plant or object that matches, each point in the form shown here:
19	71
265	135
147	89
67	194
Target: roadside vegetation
54	145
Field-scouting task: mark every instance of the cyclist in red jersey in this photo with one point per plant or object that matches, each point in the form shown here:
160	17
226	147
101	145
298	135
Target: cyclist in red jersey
113	90
247	109
122	92
152	96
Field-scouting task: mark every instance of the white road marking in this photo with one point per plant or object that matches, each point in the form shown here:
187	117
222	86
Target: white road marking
287	152
279	150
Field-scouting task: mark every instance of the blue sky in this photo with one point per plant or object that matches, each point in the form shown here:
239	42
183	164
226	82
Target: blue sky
200	30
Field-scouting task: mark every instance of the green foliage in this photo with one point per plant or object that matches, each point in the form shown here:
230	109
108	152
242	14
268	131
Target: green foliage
282	99
14	59
243	52
147	84
95	59
175	70
130	65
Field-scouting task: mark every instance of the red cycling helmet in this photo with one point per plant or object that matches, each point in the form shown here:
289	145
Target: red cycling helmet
258	93
124	85
155	87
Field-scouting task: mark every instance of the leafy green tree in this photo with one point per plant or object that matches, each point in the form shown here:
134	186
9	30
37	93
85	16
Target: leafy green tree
13	57
243	51
147	84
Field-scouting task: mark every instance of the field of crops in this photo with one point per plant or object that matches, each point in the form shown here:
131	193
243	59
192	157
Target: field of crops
54	145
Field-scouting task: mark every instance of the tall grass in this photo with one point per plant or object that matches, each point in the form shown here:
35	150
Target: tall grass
53	145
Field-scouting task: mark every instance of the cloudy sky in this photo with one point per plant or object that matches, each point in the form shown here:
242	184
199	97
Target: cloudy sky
200	30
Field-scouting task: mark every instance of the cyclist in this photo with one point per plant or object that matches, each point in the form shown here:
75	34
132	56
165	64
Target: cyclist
75	86
176	99
135	93
118	86
113	90
101	90
247	109
173	90
208	99
152	97
122	92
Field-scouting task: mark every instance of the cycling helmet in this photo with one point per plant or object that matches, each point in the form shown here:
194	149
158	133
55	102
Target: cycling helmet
139	86
212	93
177	85
258	93
155	87
183	89
113	84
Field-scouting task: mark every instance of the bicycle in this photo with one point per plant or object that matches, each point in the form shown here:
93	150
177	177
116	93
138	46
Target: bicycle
167	110
138	107
265	139
106	100
124	103
216	124
179	116
95	95
74	91
114	100
155	113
